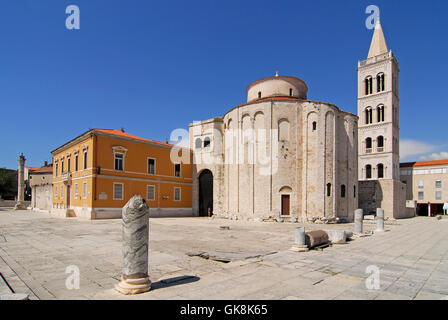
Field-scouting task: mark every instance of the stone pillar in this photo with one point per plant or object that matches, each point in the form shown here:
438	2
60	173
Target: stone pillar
299	240
359	216
379	219
135	247
20	205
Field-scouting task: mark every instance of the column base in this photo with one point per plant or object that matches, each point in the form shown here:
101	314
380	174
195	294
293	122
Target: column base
133	286
20	206
297	248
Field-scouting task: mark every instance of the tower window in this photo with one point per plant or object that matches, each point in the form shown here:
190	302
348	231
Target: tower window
368	85
328	189
380	113
380	82
314	125
290	92
343	191
380	143
368	145
368	171
259	94
380	169
354	191
369	115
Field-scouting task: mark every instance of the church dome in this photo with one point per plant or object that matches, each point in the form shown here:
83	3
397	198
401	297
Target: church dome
277	86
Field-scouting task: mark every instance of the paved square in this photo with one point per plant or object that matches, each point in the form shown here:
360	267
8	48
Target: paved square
254	259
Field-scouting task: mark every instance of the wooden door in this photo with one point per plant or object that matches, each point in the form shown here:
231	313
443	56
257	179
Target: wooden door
285	204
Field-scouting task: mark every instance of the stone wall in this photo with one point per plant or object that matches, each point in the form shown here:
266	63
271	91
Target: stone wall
387	194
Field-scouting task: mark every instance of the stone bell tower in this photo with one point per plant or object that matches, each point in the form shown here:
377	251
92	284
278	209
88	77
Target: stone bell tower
378	131
378	111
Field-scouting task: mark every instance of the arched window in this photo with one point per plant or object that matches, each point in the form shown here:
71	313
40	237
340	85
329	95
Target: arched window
207	142
283	130
368	85
343	191
368	171
380	82
290	92
380	170
259	94
314	125
369	115
198	143
380	113
328	189
368	145
380	143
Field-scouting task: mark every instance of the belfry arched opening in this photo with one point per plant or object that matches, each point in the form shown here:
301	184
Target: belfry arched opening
206	194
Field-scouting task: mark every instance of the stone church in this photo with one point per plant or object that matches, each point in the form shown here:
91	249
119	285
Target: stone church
282	156
279	155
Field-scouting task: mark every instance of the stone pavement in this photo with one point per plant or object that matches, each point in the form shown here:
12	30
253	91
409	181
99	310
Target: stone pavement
254	259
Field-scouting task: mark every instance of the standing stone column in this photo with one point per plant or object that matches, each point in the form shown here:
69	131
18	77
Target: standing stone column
379	219
20	205
135	247
359	216
299	240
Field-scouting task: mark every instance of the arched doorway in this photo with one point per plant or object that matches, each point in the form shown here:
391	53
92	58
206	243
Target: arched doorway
206	193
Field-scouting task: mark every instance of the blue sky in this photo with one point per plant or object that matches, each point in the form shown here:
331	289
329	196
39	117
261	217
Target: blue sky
154	66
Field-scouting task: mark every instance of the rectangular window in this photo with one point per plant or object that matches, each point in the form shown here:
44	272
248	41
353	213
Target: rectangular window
76	163
56	171
119	161
438	195
421	184
84	190
62	192
151	193
55	192
176	194
421	195
62	166
85	159
118	191
76	191
177	170
151	166
438	184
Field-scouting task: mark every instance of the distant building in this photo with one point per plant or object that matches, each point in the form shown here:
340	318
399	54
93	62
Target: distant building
41	184
96	173
426	185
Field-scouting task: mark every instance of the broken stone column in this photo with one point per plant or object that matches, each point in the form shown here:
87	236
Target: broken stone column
20	203
379	219
299	240
316	238
337	236
359	215
135	247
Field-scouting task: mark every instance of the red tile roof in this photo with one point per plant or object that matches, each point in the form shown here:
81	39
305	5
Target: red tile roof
424	163
44	169
127	135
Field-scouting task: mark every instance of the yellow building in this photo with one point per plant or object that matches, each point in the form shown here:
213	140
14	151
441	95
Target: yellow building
96	173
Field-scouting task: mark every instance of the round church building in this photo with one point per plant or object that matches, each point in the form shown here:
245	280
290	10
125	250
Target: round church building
277	156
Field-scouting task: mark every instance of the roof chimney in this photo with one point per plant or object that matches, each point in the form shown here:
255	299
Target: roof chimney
45	164
122	129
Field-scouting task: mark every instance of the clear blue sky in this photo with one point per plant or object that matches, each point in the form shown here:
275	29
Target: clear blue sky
154	66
